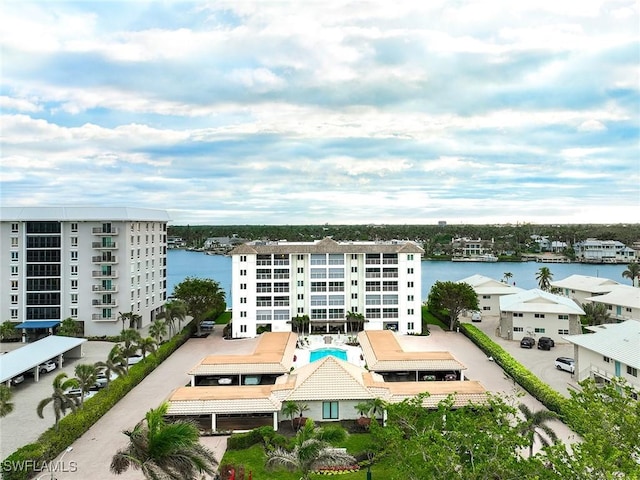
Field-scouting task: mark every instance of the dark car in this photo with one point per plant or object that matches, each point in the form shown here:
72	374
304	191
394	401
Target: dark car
527	342
545	343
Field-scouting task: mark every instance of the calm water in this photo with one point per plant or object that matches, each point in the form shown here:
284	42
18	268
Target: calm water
182	264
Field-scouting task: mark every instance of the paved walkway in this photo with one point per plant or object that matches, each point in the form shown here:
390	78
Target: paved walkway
92	453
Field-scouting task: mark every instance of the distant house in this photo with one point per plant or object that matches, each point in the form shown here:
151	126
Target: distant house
593	250
470	247
176	242
611	351
489	292
536	313
581	287
622	302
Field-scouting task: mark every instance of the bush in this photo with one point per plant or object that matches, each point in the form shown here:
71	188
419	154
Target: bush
242	441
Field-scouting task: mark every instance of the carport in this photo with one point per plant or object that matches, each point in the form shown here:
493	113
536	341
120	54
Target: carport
33	354
36	325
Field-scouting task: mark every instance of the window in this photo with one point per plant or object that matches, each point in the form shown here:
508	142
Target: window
74	298
243	314
243	272
518	329
486	297
13	313
563	331
243	286
563	317
410	256
409	325
486	308
354	296
410	270
410	312
632	371
606	359
74	313
14	284
243	258
539	330
74	284
301	283
14	299
74	241
409	298
243	329
330	410
14	270
14	256
410	284
74	269
538	315
300	269
354	269
14	241
14	228
517	314
243	299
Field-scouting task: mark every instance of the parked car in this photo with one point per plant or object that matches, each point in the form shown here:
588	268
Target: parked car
134	359
527	342
208	325
17	380
47	366
545	343
76	393
565	363
476	316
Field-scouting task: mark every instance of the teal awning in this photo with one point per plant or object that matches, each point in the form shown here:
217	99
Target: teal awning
38	324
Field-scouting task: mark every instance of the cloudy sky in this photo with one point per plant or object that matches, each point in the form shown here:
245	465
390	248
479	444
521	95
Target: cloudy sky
325	112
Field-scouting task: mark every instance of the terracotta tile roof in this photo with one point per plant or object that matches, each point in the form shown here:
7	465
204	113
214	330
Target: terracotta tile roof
383	353
206	400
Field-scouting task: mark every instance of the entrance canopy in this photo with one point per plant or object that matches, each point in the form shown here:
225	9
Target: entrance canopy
38	324
33	354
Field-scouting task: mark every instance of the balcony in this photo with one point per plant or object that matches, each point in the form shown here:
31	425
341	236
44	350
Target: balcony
101	274
103	259
96	317
104	303
104	245
101	231
102	288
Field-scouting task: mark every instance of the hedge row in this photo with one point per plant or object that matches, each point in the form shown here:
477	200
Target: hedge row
21	464
532	384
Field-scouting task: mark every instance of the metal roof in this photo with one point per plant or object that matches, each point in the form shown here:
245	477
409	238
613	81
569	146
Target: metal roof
619	341
622	295
33	354
484	286
38	324
585	283
537	300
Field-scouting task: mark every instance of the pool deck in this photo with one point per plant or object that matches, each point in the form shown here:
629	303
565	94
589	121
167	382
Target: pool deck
319	342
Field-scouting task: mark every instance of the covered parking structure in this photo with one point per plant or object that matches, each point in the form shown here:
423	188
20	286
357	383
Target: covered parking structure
31	355
35	329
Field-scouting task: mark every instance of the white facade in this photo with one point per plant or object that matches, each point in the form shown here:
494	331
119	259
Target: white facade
622	302
613	350
580	287
82	262
536	313
272	282
604	251
489	292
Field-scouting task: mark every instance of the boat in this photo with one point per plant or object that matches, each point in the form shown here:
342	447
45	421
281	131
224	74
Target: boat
487	257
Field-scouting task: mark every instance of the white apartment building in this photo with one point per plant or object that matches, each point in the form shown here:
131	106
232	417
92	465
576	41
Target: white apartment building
581	287
489	292
272	282
593	250
86	263
622	302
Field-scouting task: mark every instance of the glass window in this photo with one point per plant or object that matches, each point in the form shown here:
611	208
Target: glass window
330	410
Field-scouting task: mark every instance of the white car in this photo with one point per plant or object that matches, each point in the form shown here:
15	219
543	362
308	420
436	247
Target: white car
45	367
565	363
134	359
476	316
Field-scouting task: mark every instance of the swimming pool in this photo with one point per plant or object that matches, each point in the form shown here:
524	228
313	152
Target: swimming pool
323	352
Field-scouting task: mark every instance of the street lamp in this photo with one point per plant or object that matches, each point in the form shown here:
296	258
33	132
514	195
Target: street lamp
67	450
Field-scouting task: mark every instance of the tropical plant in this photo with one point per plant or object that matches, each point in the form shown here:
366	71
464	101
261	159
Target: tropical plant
290	409
595	314
59	400
69	328
6	405
453	297
535	425
8	330
632	273
173	310
164	450
201	297
544	277
86	376
146	345
115	363
300	323
507	276
158	330
133	319
355	321
309	453
130	339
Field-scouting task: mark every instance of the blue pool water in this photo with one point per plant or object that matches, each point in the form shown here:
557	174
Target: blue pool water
323	352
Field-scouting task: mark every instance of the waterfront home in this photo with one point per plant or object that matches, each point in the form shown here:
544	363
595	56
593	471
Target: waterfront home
581	287
593	250
536	313
622	302
489	292
612	350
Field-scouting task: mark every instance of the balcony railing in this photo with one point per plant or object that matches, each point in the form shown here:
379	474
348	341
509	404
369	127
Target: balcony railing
102	303
101	259
101	274
102	288
104	246
96	317
100	231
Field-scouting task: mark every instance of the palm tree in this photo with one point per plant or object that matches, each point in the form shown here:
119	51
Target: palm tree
130	339
86	375
114	363
173	310
290	409
534	423
595	314
6	405
309	453
507	276
632	273
59	399
157	330
147	345
544	277
160	449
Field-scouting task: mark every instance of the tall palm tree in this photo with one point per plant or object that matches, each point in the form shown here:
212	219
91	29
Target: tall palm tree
632	273
130	339
6	405
290	409
173	310
309	453
595	314
158	330
507	276
147	345
114	363
163	450
60	401
86	375
544	277
535	424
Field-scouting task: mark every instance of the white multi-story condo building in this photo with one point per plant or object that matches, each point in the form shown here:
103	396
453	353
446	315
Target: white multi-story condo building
84	263
273	282
593	250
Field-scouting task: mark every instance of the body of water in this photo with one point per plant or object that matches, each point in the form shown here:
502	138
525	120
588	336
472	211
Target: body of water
182	264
